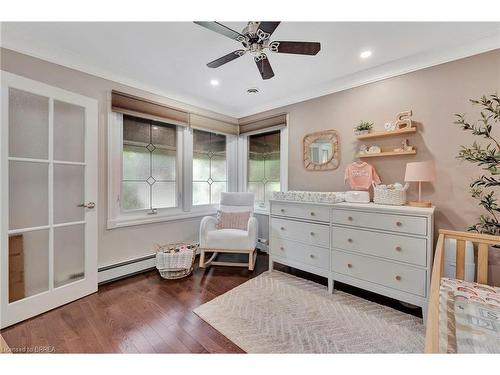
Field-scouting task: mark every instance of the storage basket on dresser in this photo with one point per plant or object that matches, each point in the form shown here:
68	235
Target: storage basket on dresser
395	197
384	249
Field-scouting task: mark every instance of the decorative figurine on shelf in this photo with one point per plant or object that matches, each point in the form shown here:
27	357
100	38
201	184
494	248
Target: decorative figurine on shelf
403	120
389	127
374	150
405	146
364	127
363	149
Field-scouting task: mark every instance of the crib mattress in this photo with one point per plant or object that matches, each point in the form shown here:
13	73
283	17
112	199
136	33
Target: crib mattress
469	317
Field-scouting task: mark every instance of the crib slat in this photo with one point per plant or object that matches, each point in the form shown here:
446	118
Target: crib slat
482	263
460	270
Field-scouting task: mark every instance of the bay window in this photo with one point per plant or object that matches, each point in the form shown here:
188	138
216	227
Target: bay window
264	166
209	167
148	164
158	171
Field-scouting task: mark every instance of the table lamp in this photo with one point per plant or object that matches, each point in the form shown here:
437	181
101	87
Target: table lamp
420	171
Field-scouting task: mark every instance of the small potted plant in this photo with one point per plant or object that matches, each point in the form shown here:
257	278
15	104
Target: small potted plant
364	127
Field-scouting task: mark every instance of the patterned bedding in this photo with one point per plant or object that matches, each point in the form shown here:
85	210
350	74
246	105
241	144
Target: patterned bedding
469	317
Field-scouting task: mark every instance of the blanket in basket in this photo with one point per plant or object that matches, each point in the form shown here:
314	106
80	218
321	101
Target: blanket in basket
182	259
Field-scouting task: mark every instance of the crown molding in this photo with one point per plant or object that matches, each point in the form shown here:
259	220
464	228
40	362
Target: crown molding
389	70
19	47
385	71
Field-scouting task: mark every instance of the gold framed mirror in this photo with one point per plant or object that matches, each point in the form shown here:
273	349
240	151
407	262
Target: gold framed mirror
321	150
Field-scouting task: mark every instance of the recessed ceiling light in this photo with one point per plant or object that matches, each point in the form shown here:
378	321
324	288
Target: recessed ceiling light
214	82
365	54
252	90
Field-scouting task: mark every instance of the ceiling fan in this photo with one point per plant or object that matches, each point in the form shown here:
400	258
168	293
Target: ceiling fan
255	39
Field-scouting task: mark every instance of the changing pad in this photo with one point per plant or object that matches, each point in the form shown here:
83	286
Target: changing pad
310	196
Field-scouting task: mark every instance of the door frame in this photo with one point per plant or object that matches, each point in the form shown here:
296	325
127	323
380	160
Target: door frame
11	313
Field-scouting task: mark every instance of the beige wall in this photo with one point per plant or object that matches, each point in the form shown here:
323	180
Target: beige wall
434	94
118	244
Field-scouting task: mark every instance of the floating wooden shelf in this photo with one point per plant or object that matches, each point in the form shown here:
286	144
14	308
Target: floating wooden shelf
382	134
387	153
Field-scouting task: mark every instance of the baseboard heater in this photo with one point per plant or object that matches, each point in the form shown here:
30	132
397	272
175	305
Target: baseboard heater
132	267
125	269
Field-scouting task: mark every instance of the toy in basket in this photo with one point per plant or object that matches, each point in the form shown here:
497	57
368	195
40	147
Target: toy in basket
394	194
175	260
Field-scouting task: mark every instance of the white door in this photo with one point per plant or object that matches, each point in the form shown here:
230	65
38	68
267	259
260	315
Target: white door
48	182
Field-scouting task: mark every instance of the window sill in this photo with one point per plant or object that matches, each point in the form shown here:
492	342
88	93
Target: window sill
141	220
261	211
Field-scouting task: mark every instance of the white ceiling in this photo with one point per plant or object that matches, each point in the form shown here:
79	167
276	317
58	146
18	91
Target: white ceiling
170	58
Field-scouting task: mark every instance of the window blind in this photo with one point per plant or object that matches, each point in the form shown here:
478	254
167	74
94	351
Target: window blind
213	125
273	122
140	107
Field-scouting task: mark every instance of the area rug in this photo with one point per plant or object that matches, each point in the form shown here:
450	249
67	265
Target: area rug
280	313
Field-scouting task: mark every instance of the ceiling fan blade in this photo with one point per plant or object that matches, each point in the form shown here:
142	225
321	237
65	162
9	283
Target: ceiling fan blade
269	26
225	59
221	29
264	66
299	48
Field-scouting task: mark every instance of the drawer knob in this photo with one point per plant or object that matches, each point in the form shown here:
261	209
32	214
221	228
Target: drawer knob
398	278
349	265
282	210
282	228
349	240
282	248
350	218
398	248
312	213
312	233
311	256
398	223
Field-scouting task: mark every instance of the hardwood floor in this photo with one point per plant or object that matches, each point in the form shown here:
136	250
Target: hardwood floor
146	314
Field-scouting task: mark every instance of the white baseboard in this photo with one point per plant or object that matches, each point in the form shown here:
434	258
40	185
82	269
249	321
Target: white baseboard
124	269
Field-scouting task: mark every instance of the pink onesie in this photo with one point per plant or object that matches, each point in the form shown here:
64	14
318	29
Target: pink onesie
361	175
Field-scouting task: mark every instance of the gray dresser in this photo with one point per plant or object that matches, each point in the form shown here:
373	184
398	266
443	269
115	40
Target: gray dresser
384	249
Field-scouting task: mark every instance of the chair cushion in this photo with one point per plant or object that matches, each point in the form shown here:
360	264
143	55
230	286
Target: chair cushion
228	239
232	220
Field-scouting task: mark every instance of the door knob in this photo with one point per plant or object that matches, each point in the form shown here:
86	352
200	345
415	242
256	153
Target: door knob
88	205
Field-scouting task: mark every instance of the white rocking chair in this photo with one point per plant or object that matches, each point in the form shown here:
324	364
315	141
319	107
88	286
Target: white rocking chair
236	241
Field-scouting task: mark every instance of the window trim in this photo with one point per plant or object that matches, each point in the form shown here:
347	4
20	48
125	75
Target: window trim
243	140
118	218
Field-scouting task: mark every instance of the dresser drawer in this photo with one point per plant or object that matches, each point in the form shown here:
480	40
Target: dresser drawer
302	211
310	255
396	276
314	234
393	246
395	223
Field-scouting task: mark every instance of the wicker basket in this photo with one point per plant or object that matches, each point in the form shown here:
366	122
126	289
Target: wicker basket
390	196
174	264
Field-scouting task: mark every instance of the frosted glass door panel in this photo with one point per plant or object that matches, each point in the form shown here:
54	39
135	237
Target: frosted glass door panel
28	264
69	255
28	194
69	183
28	125
69	132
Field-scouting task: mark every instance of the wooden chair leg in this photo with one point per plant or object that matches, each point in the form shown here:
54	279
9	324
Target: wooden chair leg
202	258
252	257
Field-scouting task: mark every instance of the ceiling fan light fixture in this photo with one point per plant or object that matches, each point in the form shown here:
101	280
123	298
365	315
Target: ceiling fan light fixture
365	54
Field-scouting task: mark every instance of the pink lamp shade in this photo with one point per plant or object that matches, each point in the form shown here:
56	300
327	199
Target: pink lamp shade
420	171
